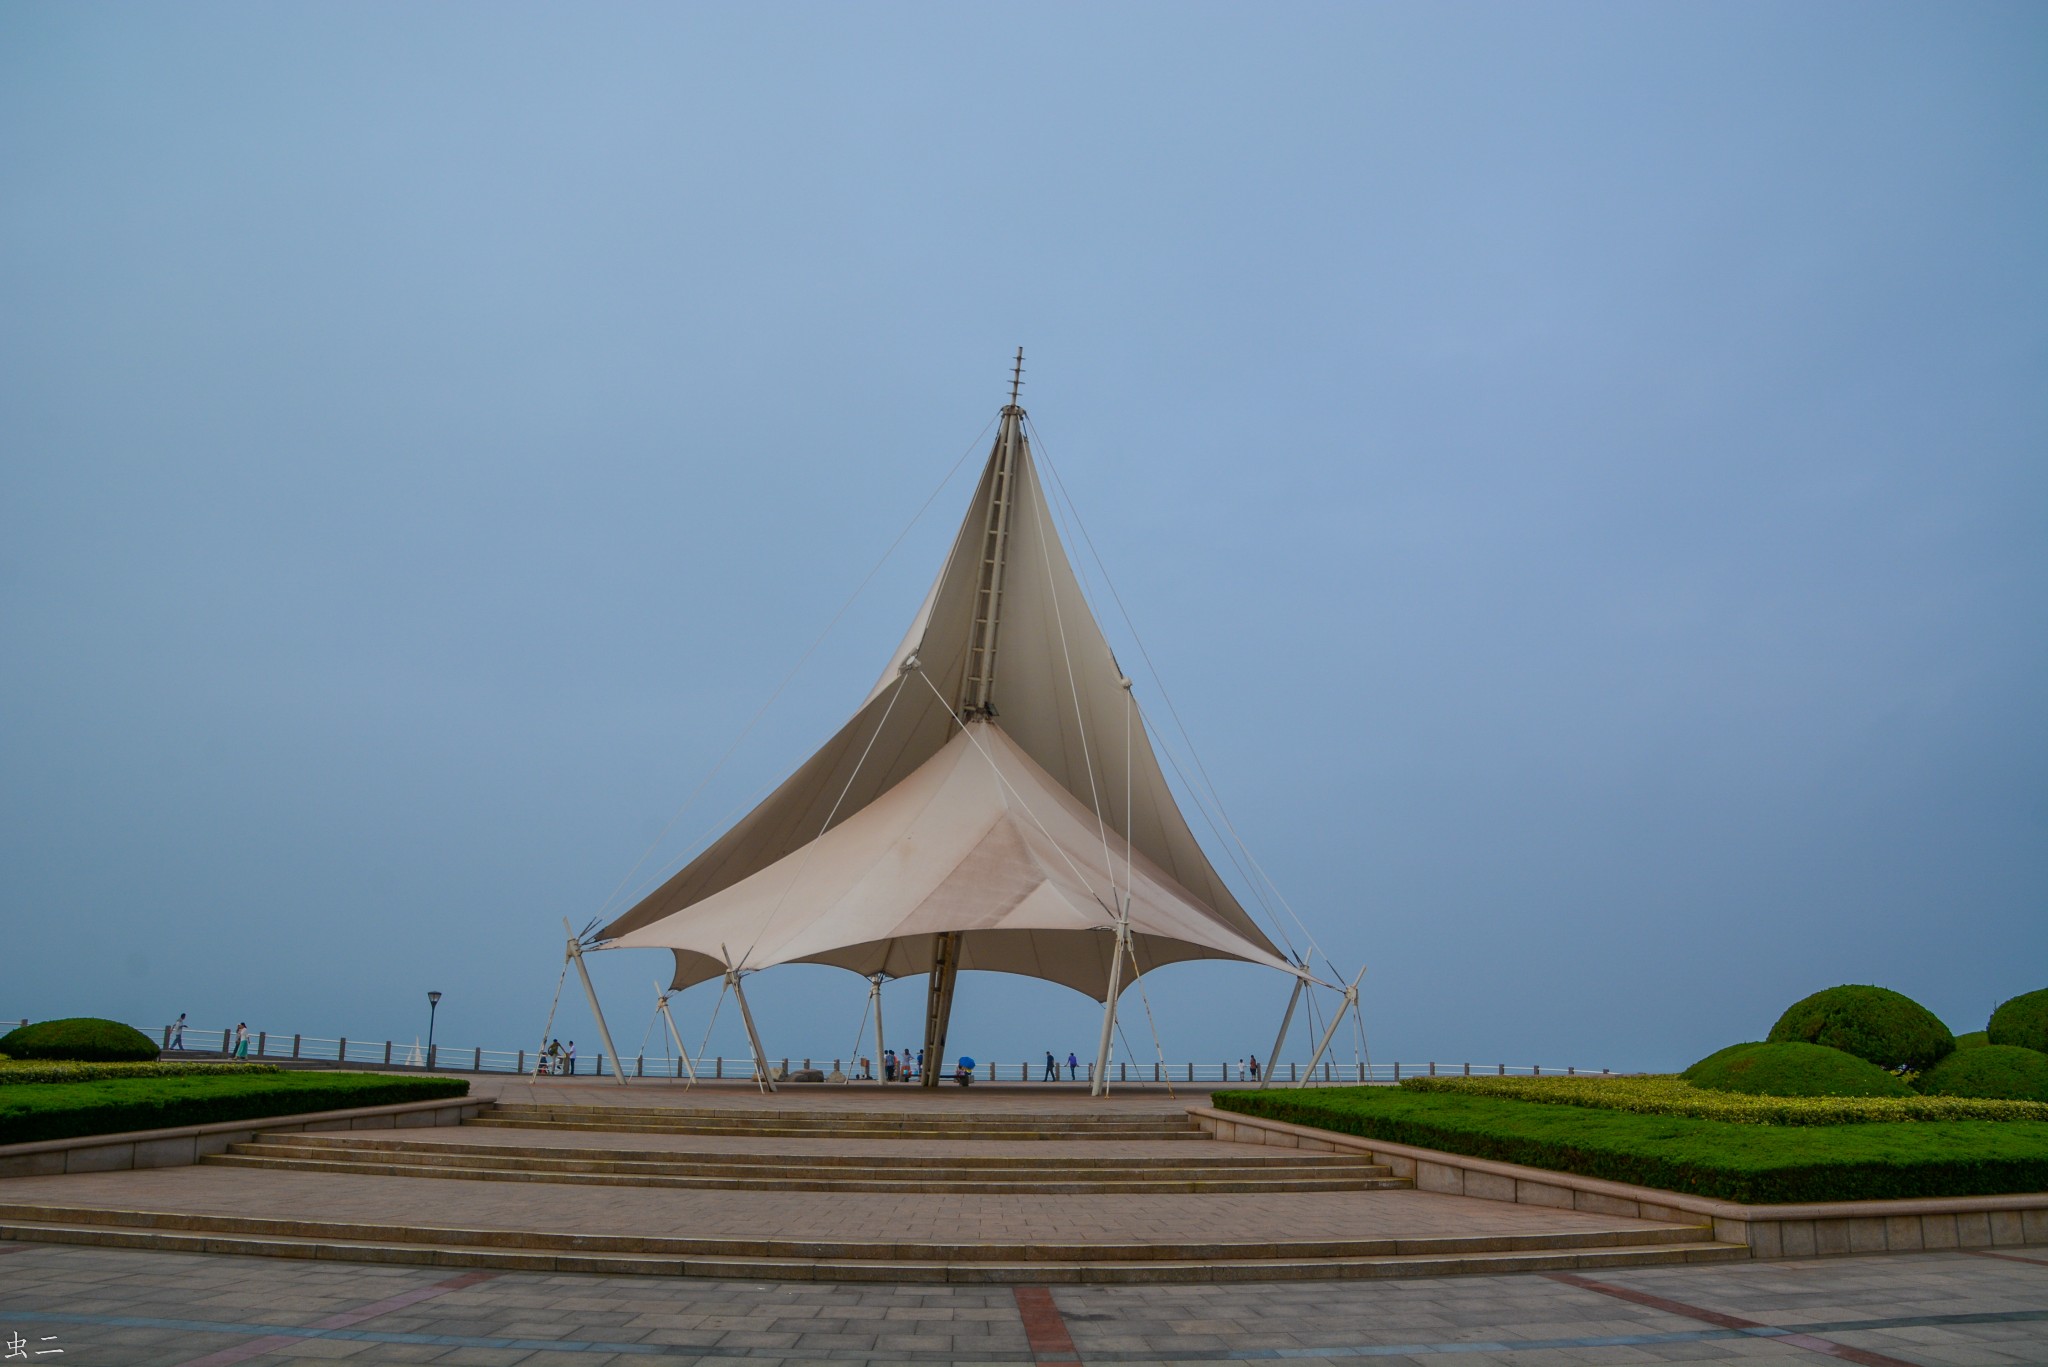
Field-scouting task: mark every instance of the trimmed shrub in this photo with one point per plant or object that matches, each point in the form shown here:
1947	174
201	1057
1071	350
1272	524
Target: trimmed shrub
1751	1163
1793	1069
1996	1070
86	1038
2023	1021
1976	1039
66	1110
1886	1028
1720	1054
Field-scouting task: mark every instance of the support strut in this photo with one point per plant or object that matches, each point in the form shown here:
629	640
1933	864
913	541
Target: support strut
938	1003
604	1031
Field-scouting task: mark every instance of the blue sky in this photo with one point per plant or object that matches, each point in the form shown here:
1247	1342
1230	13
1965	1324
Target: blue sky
1579	470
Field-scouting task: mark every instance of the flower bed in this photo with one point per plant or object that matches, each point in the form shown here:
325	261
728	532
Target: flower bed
1666	1095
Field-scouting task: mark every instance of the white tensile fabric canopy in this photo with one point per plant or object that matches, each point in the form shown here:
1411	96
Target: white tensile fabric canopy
997	783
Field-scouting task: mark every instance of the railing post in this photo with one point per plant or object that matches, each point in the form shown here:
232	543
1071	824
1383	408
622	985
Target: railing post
433	1052
295	1046
522	1063
1536	1071
718	1067
387	1053
1503	1070
226	1041
262	1041
341	1052
479	1065
1468	1070
1432	1067
167	1037
1397	1070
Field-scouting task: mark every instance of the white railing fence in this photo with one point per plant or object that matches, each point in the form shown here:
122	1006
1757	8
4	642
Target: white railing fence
275	1047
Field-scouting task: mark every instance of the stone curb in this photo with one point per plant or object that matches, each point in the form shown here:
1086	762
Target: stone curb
1788	1231
183	1145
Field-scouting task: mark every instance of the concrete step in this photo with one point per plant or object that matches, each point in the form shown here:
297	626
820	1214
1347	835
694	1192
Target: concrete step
540	1251
852	1128
316	1144
907	1180
904	1122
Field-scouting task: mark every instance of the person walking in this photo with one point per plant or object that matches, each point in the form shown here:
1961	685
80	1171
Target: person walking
242	1041
1073	1067
570	1057
178	1033
1052	1068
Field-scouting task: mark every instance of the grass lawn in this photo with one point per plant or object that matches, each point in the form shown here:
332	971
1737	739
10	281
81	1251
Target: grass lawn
1751	1163
65	1110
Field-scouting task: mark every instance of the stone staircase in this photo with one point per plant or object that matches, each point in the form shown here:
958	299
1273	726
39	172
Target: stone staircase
861	1261
729	1188
763	1123
908	1173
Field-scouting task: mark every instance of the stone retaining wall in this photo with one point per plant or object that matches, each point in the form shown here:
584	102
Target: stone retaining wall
1788	1231
186	1144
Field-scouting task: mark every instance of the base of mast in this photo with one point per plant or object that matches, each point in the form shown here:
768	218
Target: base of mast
938	1004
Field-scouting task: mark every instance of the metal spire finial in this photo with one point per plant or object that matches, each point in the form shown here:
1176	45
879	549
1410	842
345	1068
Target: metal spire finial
1017	377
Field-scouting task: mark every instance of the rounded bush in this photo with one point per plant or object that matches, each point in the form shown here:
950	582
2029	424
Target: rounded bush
1718	1055
1793	1069
2005	1071
1974	1040
86	1038
1873	1023
2023	1021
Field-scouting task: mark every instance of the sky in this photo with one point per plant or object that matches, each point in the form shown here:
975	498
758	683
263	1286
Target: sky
1580	472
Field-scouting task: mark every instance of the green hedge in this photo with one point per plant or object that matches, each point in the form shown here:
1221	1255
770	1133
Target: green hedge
66	1110
13	1071
2023	1021
1885	1027
1996	1070
1793	1069
79	1037
1753	1164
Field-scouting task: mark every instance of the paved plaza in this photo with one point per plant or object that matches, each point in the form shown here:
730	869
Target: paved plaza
120	1308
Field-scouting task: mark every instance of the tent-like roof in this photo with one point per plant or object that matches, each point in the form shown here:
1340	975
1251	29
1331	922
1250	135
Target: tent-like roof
997	781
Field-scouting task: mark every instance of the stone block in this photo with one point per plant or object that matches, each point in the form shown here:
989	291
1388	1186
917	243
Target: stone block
33	1164
1767	1238
1597	1203
416	1120
1797	1238
1973	1229
1397	1164
1731	1231
2034	1223
1938	1231
1488	1186
1536	1194
167	1153
100	1158
2007	1228
1831	1237
1867	1235
1670	1215
1439	1177
1902	1233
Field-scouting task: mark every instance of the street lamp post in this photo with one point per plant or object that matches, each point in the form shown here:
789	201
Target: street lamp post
433	1006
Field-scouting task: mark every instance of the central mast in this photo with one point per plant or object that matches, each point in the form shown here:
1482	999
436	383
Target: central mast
976	701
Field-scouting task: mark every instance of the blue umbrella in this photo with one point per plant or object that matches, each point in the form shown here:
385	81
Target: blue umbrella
966	1062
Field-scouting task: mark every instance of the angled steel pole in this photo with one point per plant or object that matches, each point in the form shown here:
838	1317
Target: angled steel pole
761	1074
1098	1085
661	1005
1280	1040
1336	1019
604	1031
